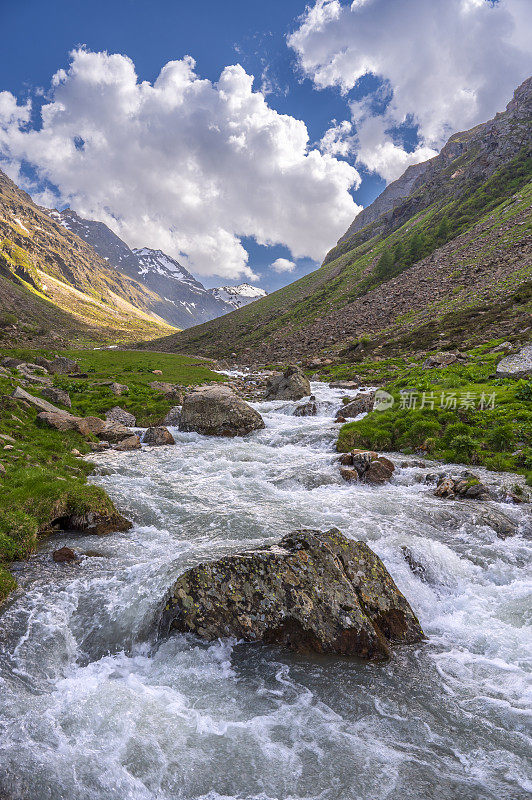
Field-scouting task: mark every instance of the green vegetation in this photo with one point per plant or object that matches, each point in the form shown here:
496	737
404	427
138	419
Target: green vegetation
453	219
7	319
461	413
43	480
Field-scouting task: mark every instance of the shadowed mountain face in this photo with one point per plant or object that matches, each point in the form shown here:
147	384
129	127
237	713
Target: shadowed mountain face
184	301
442	257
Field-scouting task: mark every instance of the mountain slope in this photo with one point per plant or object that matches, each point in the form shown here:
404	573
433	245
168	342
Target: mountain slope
448	244
46	261
184	301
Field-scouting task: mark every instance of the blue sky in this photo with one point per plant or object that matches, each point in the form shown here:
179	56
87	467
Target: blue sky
318	64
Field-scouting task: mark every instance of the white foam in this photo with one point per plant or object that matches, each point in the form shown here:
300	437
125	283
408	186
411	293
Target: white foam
95	708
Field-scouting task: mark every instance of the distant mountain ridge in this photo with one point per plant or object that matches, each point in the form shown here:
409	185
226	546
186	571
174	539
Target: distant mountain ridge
184	301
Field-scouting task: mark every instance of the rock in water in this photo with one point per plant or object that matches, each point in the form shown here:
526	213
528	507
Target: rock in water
291	385
64	555
516	366
129	443
309	409
313	591
362	404
158	436
217	411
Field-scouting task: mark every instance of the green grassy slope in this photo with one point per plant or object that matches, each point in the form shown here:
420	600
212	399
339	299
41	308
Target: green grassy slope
462	413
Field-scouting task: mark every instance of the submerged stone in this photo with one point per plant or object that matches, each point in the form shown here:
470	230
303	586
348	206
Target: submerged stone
314	591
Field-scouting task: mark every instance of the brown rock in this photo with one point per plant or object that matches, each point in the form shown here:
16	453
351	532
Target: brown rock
387	463
348	474
377	472
64	555
346	459
158	436
129	443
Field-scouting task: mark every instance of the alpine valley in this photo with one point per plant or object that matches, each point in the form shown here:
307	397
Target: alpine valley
442	258
284	553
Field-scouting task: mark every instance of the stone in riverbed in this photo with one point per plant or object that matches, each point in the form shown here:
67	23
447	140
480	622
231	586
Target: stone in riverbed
129	443
369	466
314	591
90	522
291	385
217	411
309	409
468	487
362	404
499	522
158	436
64	555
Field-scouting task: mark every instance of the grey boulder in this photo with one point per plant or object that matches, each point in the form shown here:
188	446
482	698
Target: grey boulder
57	395
120	415
218	411
362	404
291	385
313	591
517	366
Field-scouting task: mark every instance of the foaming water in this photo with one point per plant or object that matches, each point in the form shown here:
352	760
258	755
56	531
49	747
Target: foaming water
92	707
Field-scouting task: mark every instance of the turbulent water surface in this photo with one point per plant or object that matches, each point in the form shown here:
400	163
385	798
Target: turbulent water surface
92	707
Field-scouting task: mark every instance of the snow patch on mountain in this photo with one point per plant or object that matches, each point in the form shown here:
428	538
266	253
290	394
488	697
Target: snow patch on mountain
238	296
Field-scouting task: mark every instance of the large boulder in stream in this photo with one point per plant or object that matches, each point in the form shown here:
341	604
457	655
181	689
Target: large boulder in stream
314	591
158	436
293	384
218	411
362	404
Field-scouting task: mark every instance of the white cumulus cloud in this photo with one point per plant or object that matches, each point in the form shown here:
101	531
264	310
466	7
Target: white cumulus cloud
283	265
183	164
446	65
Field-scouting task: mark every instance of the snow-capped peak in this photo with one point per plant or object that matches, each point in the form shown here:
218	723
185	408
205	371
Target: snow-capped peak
238	296
156	261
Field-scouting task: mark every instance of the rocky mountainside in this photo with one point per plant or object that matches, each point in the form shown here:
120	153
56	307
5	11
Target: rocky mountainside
442	257
184	301
50	274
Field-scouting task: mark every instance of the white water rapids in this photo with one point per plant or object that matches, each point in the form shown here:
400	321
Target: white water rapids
92	707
